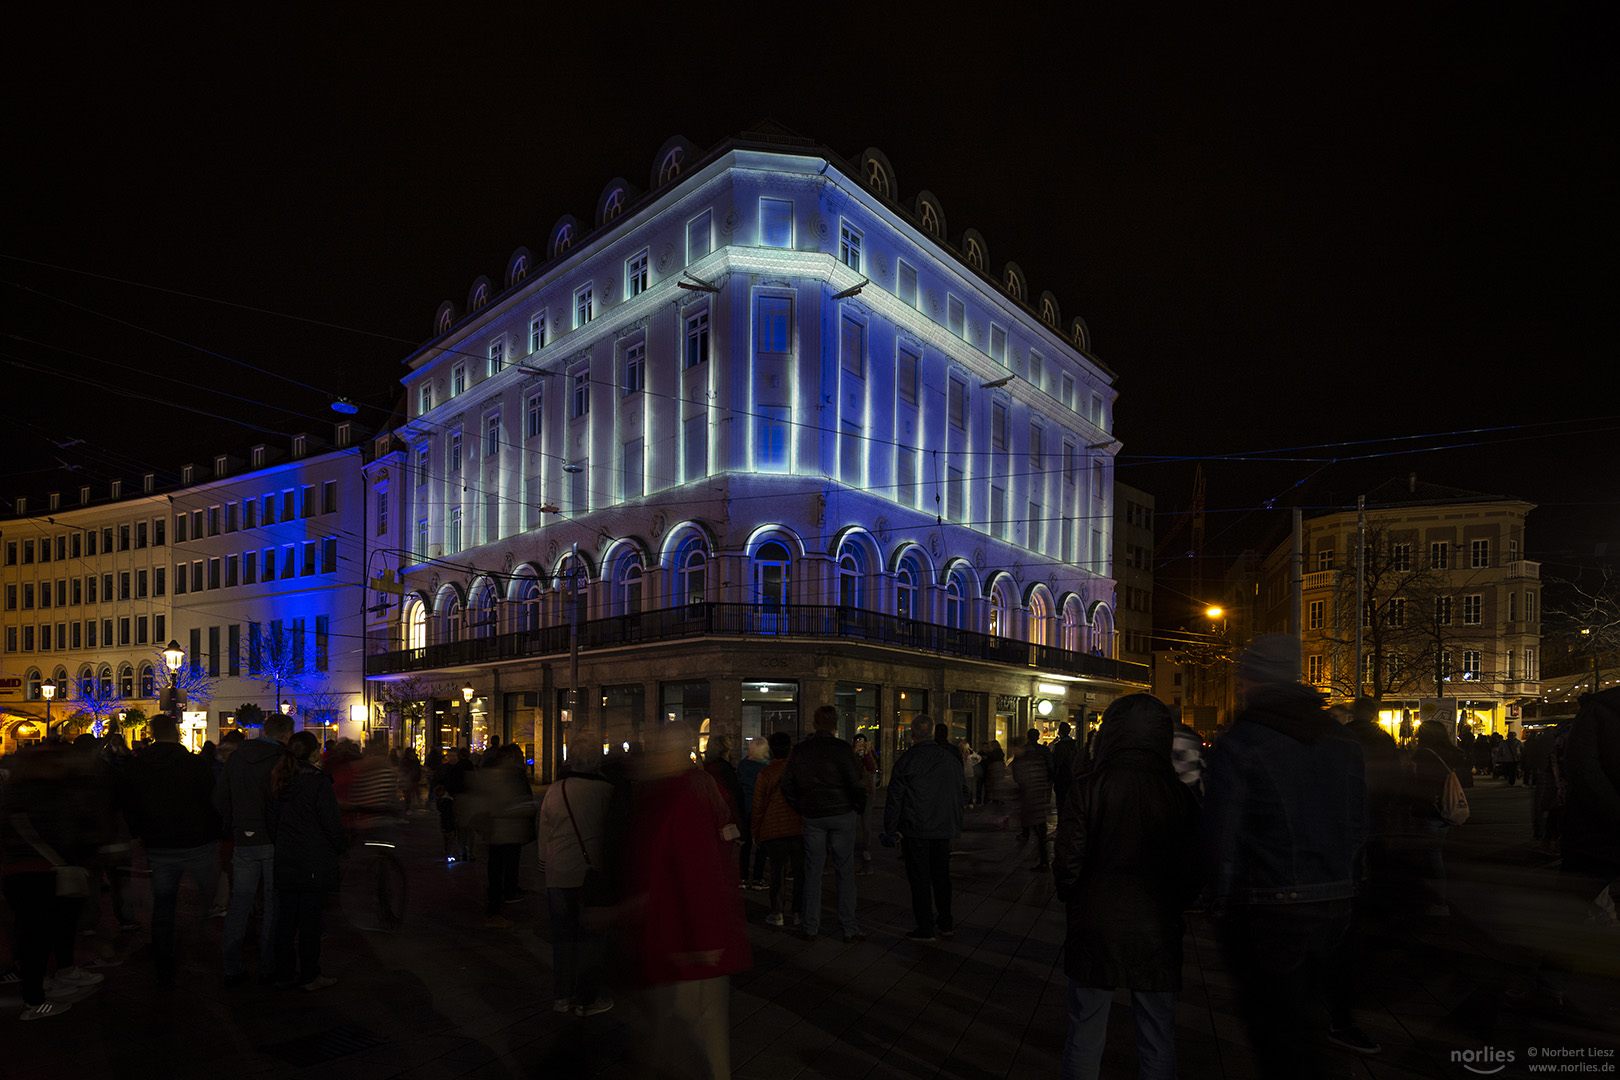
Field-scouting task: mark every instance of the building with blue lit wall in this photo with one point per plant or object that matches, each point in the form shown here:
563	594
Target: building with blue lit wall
770	437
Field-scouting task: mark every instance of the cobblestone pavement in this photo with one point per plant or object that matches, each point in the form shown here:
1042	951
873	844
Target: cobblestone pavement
446	997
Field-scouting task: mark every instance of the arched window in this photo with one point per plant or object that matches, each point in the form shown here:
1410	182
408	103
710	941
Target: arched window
85	685
975	254
1040	616
692	573
1102	632
34	681
573	579
1015	288
1048	311
930	219
450	618
415	624
520	268
954	611
851	577
563	240
627	578
104	681
446	319
481	612
60	678
126	681
905	588
526	618
614	205
772	568
670	167
1071	625
877	178
998	613
480	297
148	681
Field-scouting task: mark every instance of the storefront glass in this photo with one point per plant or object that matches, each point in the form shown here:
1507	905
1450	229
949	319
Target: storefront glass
622	713
909	703
769	707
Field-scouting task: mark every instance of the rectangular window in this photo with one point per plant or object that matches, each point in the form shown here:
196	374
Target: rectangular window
998	426
1068	390
775	223
998	512
1097	411
289	561
1400	557
849	246
579	489
635	275
123	543
452	539
1397	611
497	356
492	435
582	394
230	517
771	438
852	347
1472	610
537	332
306	500
1529	606
269	516
180	520
773	317
233	649
1037	447
1071	464
955	317
1442	611
955	493
905	462
197	576
250	567
382	513
107	540
956	407
850	453
421	538
1318	616
584	306
424	398
309	557
329	555
699	237
1471	665
1530	671
998	344
697	338
141	629
329	496
906	283
213	651
635	368
696	441
287	507
1098	475
1513	607
1440	556
90	633
123	588
323	637
1037	370
1067	546
633	470
458	380
1315	670
255	649
269	564
906	376
452	452
1479	554
180	572
531	409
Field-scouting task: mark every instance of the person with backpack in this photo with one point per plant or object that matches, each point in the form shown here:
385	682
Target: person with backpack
1431	804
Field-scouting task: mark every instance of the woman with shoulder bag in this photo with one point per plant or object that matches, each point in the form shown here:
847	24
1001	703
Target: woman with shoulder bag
1433	759
573	823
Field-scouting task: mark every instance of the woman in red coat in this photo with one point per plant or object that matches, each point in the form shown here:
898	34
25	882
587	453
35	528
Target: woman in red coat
689	931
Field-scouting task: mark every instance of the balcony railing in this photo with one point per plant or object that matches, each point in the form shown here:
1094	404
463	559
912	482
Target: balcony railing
1320	579
1523	568
757	620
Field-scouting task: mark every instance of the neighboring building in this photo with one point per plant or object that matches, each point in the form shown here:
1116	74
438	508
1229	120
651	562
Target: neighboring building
1133	562
770	440
1451	608
93	593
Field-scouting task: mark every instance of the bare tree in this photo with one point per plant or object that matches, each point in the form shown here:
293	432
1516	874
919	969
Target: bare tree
410	696
1585	618
278	655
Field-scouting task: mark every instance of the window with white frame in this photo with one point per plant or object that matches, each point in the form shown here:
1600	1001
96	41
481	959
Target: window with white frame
1471	665
537	332
1097	412
458	380
497	356
1037	370
1530	671
851	452
955	316
956	404
852	346
1397	611
1400	557
582	394
424	401
1316	670
421	464
849	246
452	453
453	531
771	438
955	494
1479	554
1442	611
699	236
635	274
1439	556
1324	559
773	321
1071	464
695	440
998	344
584	306
998	425
906	283
492	434
635	368
633	470
382	511
1473	608
775	222
1318	614
532	416
1037	447
906	375
998	512
697	338
1529	606
1068	390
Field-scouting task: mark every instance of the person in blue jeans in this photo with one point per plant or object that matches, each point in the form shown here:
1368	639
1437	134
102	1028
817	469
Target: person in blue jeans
825	785
242	797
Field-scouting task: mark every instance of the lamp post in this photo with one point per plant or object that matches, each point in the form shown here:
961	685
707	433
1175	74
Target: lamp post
173	697
467	693
1586	632
48	689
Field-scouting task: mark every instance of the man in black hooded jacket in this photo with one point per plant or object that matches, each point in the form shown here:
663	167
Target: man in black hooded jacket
1284	822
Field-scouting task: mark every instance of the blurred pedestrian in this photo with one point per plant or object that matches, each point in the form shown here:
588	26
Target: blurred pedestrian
1065	758
500	805
997	781
825	786
1433	757
410	778
308	827
1032	771
242	797
171	809
1124	865
1507	755
971	766
717	763
1187	755
779	830
863	822
751	861
573	824
1284	823
923	810
690	936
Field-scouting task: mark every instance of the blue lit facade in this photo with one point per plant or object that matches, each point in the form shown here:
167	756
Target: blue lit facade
785	443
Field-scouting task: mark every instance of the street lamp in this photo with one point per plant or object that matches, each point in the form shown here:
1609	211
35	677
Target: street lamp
285	708
48	689
173	698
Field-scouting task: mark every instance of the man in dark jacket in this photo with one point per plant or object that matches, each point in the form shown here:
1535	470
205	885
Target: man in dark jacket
824	784
927	791
169	804
1284	821
1124	864
1032	771
1065	756
242	797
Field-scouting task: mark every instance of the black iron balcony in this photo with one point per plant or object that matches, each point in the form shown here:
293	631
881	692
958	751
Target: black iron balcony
757	620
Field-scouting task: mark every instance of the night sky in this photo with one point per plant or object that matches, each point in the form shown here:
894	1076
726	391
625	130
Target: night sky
1319	247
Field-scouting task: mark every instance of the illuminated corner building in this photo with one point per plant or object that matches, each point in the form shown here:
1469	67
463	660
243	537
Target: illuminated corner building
777	438
239	553
1450	616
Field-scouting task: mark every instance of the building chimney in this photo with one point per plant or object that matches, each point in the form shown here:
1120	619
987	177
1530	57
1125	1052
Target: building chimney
1411	483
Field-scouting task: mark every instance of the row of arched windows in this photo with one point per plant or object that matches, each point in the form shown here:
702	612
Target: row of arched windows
779	572
100	681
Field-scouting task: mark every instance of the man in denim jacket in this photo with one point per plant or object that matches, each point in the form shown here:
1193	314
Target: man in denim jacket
1284	821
